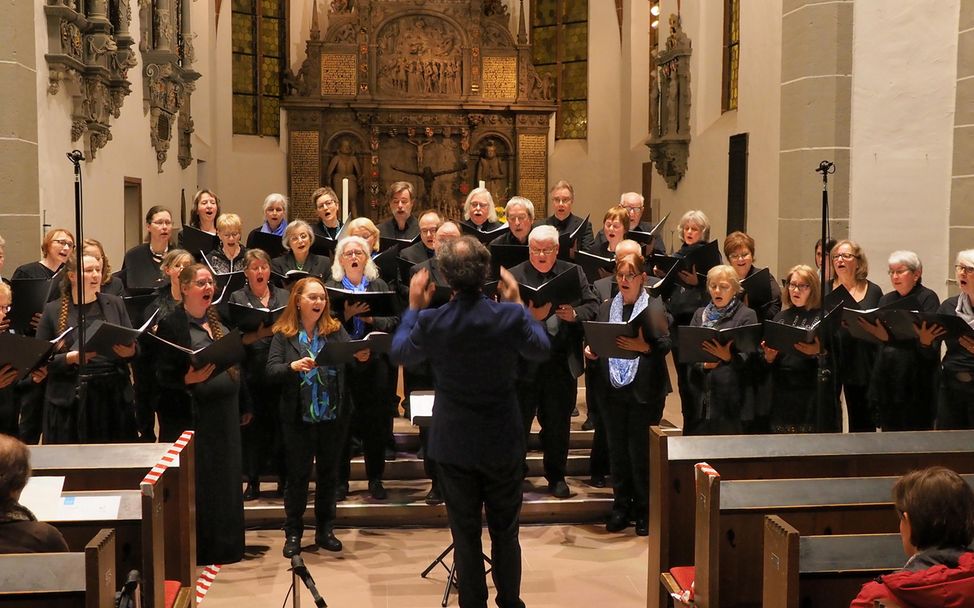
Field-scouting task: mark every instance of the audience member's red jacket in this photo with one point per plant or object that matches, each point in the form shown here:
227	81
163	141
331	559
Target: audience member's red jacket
938	578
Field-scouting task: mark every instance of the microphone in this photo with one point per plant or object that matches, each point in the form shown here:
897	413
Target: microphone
126	597
825	167
75	156
301	571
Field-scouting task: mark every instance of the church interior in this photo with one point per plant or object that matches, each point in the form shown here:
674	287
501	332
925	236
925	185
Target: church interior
727	107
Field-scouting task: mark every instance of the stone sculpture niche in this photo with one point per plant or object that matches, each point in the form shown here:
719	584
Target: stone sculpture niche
669	138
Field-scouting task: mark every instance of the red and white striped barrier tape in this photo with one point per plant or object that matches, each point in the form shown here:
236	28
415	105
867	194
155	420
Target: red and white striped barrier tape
167	459
707	469
205	581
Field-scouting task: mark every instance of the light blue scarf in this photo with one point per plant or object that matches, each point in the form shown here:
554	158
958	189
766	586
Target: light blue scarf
358	325
623	371
280	228
321	407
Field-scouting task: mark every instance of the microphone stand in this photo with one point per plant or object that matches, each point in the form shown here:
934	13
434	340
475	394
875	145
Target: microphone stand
825	390
75	156
300	571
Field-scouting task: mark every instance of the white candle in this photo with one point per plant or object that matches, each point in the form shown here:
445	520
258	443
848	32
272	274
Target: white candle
483	184
344	199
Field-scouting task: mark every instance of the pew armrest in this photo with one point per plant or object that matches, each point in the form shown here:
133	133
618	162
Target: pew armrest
681	596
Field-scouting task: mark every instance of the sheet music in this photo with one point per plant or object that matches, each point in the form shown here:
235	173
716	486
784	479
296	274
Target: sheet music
42	496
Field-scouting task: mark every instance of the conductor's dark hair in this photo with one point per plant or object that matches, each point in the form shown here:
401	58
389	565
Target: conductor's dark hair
940	507
464	263
14	467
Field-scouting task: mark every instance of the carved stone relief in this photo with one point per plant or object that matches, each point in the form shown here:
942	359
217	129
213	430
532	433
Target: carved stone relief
669	138
420	56
90	54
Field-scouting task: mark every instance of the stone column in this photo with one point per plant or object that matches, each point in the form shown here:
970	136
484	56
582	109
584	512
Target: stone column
962	182
816	102
20	211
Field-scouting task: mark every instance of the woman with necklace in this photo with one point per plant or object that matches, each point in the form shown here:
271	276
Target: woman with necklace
315	405
856	358
217	416
262	438
298	238
372	385
140	267
107	413
326	205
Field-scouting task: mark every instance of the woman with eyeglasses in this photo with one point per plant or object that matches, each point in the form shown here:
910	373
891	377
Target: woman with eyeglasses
856	358
298	238
229	256
955	409
327	207
372	385
739	251
56	248
722	393
479	212
908	403
634	392
792	392
217	414
140	267
315	407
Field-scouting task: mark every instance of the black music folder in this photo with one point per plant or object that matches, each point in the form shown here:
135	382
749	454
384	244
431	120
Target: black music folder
323	245
601	336
271	244
224	353
249	318
757	288
25	354
746	339
839	297
647	238
594	266
102	336
782	337
660	287
484	236
381	303
562	289
567	241
386	242
507	256
198	242
387	264
952	324
851	317
702	259
336	353
28	297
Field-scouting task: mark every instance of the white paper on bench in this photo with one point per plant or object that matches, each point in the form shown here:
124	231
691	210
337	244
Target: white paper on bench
42	496
420	407
88	508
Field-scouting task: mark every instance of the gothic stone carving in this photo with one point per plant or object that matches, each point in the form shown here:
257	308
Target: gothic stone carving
420	56
90	54
669	138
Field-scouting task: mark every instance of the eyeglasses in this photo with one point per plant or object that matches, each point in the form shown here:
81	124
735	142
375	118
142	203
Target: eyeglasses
204	283
328	203
545	251
316	298
161	223
799	286
63	243
479	205
631	209
961	269
844	256
901	271
428	231
230	235
628	276
739	256
353	254
516	218
561	199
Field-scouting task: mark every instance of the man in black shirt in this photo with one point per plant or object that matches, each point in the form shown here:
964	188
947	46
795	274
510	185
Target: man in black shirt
402	225
562	218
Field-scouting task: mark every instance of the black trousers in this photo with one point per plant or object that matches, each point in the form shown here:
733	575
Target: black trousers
305	444
31	411
369	425
627	422
595	401
262	440
497	490
956	404
859	409
551	395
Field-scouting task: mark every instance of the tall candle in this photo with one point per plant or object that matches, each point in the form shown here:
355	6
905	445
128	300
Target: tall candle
483	184
344	199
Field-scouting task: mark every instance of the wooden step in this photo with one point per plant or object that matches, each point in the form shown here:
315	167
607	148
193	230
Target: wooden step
406	506
408	466
407	440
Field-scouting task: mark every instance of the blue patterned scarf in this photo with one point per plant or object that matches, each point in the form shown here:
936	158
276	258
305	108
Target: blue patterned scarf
623	371
358	325
712	316
280	228
321	381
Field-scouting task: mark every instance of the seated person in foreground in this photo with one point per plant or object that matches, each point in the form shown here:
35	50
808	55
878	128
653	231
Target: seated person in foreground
20	532
936	511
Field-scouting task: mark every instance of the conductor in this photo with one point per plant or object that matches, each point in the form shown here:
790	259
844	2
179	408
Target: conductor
476	436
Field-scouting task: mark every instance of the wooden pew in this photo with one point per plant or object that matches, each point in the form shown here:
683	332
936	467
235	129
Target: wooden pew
822	570
157	526
85	579
672	457
730	516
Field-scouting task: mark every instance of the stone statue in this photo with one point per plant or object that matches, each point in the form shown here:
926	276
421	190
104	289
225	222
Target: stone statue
429	176
490	170
344	165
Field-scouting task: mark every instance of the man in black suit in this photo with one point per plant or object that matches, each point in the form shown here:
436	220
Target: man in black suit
476	436
562	218
550	387
425	249
402	225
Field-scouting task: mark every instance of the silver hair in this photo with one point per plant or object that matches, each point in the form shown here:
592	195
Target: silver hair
338	273
491	215
544	232
699	218
907	258
633	195
965	257
523	202
294	227
275	197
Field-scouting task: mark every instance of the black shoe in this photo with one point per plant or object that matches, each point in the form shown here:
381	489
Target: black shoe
341	492
617	522
292	546
642	527
251	492
588	425
390	454
327	541
377	490
559	489
434	497
421	453
575	412
597	481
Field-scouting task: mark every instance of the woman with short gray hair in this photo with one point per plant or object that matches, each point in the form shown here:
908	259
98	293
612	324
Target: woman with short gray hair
956	404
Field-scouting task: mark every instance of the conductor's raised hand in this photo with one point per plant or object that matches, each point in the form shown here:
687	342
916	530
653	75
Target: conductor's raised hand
304	364
195	376
507	287
421	290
